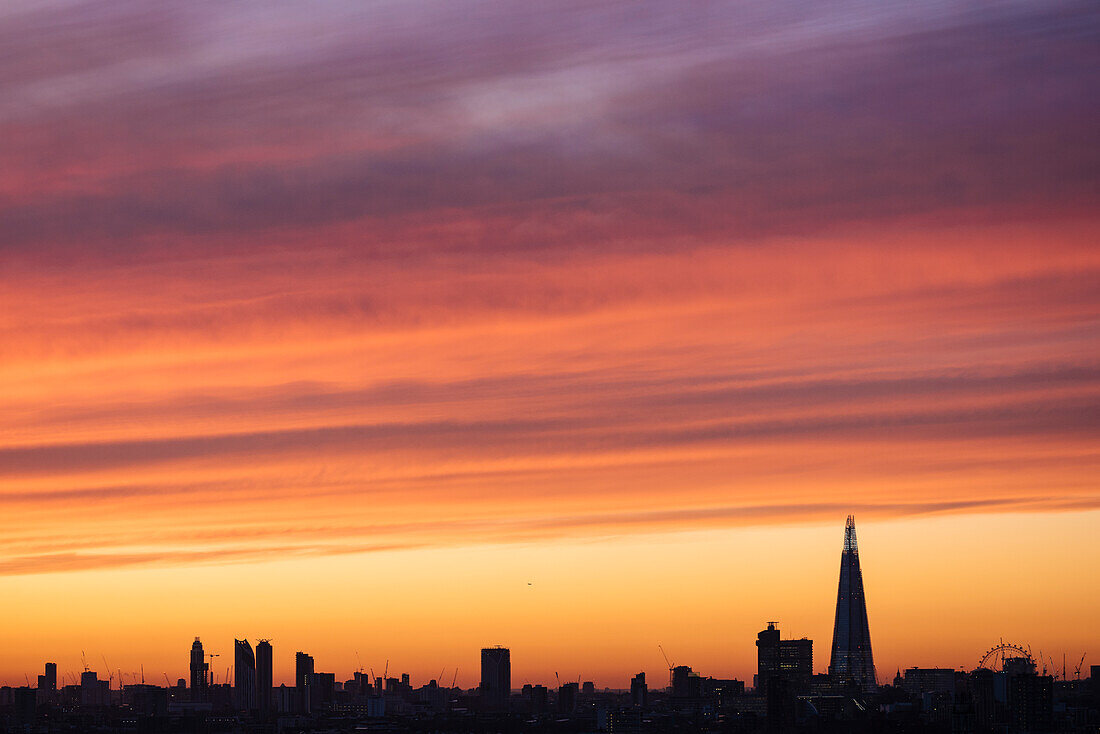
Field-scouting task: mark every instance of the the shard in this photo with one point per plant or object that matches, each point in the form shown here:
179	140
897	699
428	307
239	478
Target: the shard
851	662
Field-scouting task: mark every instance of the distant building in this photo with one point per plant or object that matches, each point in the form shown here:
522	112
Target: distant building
264	702
537	698
792	660
567	698
244	676
322	690
48	681
639	691
852	662
918	681
496	677
303	668
1030	703
199	669
686	683
94	692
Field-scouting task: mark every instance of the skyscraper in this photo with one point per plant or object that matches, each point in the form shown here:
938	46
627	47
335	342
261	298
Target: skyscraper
198	672
496	677
263	676
244	676
303	669
851	661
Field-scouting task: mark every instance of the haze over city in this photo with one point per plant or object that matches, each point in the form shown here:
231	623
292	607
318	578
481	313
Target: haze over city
400	330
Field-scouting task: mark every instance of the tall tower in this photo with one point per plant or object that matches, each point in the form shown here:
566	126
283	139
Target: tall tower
263	676
303	670
851	661
496	677
244	676
198	672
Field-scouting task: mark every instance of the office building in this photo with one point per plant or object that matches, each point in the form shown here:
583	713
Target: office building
244	676
264	670
496	677
639	691
303	669
792	660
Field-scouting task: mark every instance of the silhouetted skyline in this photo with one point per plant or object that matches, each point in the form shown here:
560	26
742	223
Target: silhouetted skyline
393	331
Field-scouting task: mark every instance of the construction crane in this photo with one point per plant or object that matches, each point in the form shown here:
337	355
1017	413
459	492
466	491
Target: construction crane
1077	670
454	677
668	663
439	680
387	670
83	661
167	683
360	661
110	675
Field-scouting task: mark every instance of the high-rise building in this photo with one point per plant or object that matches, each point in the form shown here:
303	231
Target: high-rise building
199	669
263	677
496	677
303	669
48	681
639	691
851	662
244	676
792	660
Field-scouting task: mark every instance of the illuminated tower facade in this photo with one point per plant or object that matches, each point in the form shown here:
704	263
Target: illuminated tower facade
851	662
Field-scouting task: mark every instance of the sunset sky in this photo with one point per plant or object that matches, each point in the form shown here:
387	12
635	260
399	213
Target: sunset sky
403	328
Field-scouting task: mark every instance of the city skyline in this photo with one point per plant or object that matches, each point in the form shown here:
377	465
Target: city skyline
204	670
406	328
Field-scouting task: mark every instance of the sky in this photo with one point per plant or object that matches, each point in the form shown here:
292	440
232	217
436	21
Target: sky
392	330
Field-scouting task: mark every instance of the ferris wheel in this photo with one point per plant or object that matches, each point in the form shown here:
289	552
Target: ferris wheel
994	658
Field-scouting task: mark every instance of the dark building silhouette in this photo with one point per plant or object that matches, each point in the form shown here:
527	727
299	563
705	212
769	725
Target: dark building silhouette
244	676
567	698
199	669
303	669
47	684
263	677
918	681
639	691
851	662
686	683
321	688
496	677
537	698
94	692
790	659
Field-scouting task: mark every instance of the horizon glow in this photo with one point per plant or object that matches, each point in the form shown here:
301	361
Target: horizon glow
341	327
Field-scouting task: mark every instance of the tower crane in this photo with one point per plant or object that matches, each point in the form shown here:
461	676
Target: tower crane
454	677
210	666
110	675
668	663
1077	670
